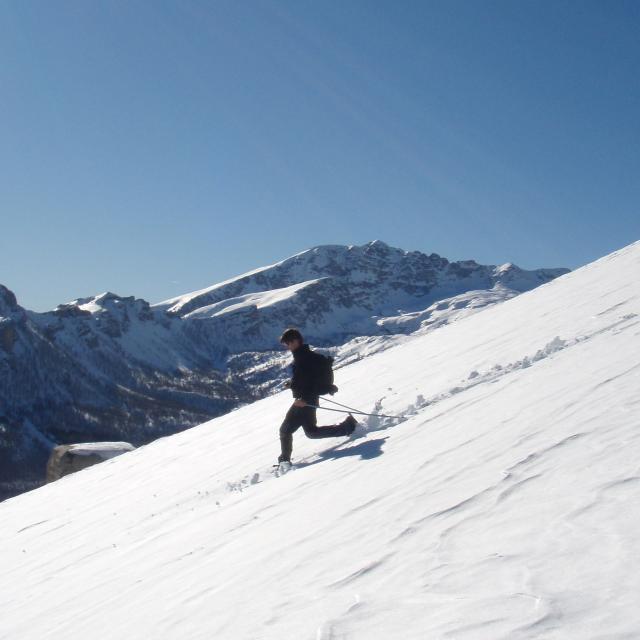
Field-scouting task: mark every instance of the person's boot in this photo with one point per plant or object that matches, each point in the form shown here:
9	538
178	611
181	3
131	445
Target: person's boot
349	424
282	467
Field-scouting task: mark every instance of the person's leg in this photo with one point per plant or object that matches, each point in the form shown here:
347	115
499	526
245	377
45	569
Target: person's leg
289	426
311	429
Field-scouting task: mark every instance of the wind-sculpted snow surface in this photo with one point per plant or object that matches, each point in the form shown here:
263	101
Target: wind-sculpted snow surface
113	367
504	506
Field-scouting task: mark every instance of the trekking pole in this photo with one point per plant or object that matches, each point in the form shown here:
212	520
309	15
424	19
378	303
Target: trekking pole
340	405
358	412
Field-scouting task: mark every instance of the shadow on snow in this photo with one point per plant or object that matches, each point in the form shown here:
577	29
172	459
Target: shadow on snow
366	450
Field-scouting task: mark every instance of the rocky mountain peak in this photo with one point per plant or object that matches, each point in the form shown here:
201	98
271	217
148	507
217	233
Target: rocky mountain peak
8	302
370	276
107	304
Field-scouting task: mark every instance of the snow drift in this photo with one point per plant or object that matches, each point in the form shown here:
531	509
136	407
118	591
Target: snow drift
504	506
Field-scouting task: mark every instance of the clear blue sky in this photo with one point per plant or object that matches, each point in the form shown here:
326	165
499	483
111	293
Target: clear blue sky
152	148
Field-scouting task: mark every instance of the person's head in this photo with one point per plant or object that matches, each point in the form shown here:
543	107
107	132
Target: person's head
291	339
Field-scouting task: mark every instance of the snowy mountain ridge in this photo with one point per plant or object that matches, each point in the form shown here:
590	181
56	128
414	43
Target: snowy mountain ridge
503	506
113	367
345	291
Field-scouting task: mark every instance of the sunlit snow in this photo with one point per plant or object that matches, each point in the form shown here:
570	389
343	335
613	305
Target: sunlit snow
506	506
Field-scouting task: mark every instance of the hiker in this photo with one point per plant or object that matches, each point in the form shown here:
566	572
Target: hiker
304	386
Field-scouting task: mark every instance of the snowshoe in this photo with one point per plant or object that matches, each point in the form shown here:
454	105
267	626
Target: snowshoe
282	467
349	423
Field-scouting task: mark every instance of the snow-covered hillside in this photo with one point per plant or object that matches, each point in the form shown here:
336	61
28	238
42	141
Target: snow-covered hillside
112	367
504	507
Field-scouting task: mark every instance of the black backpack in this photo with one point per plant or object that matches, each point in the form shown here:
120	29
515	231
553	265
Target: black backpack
324	375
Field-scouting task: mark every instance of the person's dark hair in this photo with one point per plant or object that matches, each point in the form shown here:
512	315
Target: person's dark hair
290	335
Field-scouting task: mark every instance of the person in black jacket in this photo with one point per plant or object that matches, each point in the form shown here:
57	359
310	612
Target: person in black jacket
303	386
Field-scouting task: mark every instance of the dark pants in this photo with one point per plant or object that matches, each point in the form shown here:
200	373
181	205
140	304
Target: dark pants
305	417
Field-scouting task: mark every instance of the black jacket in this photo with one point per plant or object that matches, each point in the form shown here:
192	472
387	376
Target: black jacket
305	375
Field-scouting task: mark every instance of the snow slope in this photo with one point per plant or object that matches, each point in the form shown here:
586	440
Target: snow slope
504	507
259	300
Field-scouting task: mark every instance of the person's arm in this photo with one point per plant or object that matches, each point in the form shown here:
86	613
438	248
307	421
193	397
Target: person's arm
297	402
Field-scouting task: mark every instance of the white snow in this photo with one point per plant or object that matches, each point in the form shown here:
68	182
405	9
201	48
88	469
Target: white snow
505	507
446	310
175	304
105	450
258	300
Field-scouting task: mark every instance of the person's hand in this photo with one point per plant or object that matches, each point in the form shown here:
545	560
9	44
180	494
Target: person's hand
299	403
